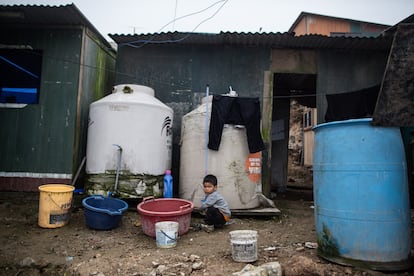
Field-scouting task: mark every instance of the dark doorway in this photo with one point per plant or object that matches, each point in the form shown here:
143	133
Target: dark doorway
300	88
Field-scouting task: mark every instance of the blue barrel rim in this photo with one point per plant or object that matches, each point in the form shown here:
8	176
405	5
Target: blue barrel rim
350	121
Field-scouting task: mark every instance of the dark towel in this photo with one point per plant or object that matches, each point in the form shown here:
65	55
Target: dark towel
351	105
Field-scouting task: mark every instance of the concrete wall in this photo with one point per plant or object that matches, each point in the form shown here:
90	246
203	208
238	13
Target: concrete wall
179	75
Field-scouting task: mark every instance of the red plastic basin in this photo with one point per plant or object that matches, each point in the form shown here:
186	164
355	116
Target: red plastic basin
153	210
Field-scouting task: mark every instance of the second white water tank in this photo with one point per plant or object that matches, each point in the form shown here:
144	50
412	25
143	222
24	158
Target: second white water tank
238	171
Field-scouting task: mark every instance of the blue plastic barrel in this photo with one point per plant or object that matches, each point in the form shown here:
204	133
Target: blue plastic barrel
362	212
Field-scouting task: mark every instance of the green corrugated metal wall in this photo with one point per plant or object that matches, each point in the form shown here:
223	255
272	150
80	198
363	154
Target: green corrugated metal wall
45	137
98	75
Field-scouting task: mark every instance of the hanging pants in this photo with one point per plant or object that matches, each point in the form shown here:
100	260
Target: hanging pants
237	111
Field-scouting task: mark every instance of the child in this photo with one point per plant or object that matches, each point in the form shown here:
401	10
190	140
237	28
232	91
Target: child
217	211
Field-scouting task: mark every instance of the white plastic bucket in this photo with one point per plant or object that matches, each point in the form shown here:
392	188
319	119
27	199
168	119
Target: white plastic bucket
244	245
166	234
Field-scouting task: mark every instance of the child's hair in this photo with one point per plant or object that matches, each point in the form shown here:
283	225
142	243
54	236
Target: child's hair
211	179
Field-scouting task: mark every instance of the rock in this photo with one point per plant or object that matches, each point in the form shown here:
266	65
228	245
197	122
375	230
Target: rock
161	268
311	245
264	201
267	269
194	258
155	264
273	268
197	266
246	269
27	262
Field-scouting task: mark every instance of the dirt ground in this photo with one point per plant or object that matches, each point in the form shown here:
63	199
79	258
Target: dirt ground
75	249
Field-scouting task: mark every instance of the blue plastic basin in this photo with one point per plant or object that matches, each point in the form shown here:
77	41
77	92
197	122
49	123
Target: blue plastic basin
103	213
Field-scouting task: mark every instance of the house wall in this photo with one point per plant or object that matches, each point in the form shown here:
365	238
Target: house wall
40	140
314	24
311	24
179	75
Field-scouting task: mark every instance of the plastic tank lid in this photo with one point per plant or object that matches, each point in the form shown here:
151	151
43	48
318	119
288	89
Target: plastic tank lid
133	88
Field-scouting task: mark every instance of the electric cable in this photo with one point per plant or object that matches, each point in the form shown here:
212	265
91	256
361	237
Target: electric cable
151	41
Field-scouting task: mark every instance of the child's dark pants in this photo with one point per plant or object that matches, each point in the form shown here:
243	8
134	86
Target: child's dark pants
214	217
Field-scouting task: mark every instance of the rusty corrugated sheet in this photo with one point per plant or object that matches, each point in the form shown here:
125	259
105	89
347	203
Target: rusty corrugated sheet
271	40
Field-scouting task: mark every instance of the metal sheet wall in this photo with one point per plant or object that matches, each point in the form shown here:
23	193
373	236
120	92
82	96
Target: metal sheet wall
46	139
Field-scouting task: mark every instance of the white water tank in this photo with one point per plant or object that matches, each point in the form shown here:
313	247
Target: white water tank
141	125
238	172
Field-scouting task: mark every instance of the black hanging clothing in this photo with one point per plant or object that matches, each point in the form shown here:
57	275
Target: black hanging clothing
236	111
351	105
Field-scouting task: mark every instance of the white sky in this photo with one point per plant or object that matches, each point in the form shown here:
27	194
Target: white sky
150	16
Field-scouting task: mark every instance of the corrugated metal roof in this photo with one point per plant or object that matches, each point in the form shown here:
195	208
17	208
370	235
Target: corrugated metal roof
44	16
271	40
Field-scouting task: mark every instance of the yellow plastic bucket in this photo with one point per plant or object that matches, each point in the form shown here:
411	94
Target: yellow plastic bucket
55	202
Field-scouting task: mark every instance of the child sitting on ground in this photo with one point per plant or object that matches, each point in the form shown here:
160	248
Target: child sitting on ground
216	208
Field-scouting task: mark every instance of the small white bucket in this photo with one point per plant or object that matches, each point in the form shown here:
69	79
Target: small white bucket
244	245
166	233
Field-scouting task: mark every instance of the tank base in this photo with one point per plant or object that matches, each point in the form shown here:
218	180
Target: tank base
377	266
